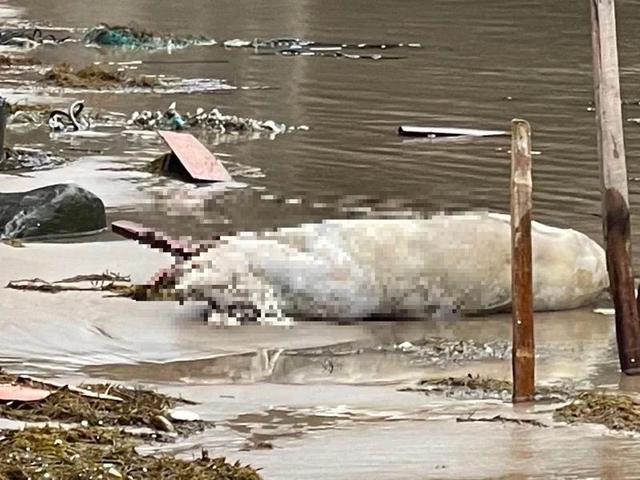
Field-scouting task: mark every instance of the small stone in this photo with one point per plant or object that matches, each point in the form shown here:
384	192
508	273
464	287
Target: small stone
161	423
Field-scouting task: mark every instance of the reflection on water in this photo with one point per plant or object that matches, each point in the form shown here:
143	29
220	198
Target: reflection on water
482	64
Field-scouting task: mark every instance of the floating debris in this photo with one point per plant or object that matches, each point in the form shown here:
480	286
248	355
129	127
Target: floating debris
434	132
11	61
502	419
615	411
443	351
27	37
300	47
23	158
480	388
130	37
70	120
94	77
213	120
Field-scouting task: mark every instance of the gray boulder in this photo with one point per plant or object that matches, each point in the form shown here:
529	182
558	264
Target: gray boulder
51	211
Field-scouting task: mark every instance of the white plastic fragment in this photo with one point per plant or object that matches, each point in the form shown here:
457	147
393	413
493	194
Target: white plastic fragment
182	415
113	473
605	311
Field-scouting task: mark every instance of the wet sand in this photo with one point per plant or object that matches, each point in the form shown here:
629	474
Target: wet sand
251	382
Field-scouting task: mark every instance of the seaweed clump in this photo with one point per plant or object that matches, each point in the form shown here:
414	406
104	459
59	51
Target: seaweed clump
98	443
480	388
86	453
98	405
93	76
12	61
615	411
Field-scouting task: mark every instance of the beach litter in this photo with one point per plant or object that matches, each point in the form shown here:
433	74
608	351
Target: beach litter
475	387
214	120
614	410
17	159
92	431
28	37
300	47
435	132
132	37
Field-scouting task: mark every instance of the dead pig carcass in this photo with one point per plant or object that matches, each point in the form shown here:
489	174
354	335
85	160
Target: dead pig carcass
353	269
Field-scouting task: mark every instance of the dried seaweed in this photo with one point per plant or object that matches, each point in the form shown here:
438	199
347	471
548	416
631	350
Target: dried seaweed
614	410
85	453
134	408
93	76
11	61
502	419
481	388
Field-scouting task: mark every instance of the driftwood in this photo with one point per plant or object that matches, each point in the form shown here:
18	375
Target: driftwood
501	419
108	281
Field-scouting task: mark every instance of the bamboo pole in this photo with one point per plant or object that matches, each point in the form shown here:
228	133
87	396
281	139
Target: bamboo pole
613	175
522	357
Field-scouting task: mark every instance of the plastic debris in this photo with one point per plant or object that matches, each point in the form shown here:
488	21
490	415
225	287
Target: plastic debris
433	132
181	415
71	120
129	37
27	37
23	158
605	311
297	46
213	120
19	393
192	159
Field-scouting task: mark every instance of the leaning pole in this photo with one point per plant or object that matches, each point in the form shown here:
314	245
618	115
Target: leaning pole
616	222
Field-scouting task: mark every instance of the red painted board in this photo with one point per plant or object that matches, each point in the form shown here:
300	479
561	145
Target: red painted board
158	240
197	160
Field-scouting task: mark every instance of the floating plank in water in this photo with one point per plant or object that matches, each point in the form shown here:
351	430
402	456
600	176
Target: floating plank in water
198	162
433	132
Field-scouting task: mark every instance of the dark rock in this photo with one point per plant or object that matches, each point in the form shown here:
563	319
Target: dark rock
51	211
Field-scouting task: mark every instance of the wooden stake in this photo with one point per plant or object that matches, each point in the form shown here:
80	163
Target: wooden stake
613	175
3	125
523	358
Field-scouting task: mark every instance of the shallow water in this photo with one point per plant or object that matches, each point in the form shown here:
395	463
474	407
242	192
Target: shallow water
482	64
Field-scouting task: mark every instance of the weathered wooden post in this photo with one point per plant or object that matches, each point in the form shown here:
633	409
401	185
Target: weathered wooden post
613	175
3	125
522	356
